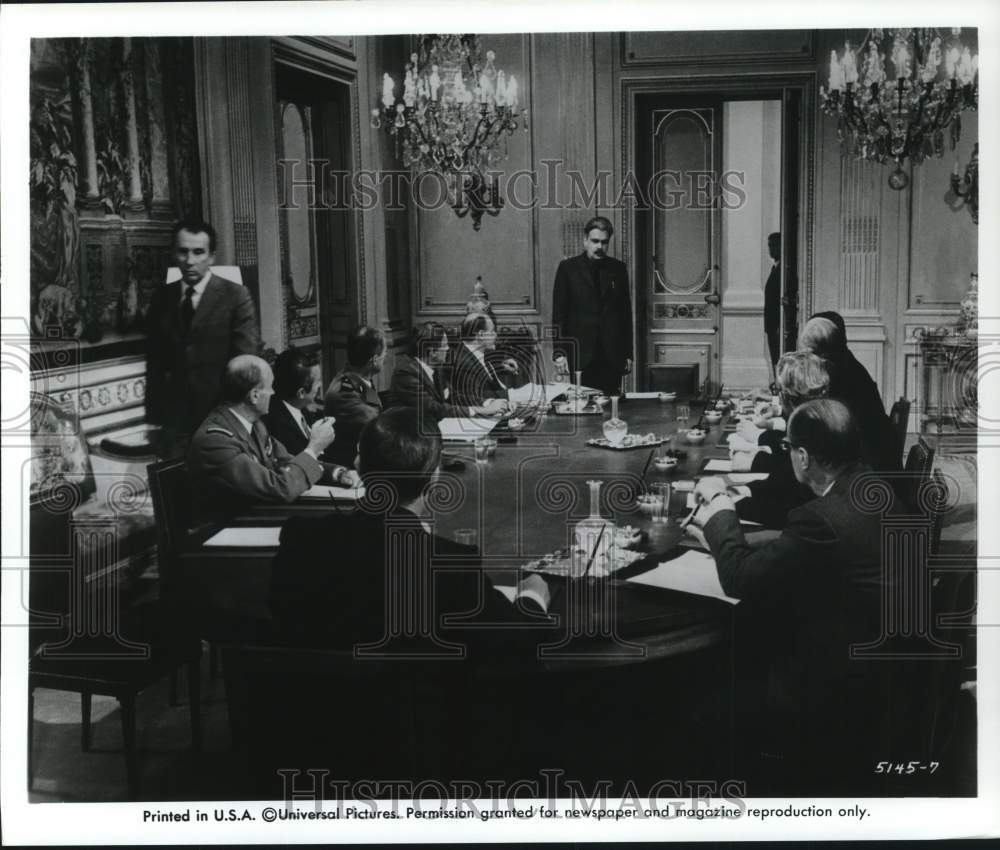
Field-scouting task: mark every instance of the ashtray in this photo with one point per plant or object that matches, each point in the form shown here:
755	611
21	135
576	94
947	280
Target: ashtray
516	424
713	416
664	464
694	436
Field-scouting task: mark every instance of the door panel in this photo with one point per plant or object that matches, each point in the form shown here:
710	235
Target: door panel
678	306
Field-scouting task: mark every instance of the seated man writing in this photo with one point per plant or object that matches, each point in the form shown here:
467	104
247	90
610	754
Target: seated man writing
822	582
235	462
474	381
341	581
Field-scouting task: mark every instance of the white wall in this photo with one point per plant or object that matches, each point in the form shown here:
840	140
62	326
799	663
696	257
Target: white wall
751	136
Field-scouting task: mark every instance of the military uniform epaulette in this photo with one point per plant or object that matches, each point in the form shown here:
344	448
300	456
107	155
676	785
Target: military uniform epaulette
219	431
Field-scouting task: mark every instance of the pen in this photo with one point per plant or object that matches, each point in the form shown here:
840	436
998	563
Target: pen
336	507
593	554
649	460
687	520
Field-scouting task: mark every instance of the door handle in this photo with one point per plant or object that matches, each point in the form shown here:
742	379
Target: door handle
713	298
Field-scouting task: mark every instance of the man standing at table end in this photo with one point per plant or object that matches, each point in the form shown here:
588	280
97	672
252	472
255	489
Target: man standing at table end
592	312
194	327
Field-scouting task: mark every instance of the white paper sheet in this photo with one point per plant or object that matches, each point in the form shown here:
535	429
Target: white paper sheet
466	430
341	494
719	465
531	393
692	572
747	477
510	591
642	395
247	537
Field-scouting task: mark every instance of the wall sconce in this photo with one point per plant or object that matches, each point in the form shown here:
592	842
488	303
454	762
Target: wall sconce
967	188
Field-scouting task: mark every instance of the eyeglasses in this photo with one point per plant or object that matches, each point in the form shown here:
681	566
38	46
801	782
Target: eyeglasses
788	445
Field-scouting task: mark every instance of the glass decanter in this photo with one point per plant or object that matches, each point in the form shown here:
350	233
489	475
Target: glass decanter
594	531
615	429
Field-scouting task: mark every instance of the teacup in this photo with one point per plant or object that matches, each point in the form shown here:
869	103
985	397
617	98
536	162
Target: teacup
713	416
694	436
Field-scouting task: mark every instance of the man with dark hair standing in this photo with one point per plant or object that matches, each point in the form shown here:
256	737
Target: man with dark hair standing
235	462
296	384
351	397
592	312
194	327
821	582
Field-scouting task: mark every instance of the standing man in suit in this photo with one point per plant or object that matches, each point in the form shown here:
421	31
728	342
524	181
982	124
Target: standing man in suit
474	381
351	397
821	582
293	405
194	327
592	312
419	378
235	462
774	299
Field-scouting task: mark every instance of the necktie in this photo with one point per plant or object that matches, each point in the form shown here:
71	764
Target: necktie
305	426
187	309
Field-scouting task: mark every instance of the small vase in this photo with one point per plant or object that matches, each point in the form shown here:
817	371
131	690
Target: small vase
594	531
615	429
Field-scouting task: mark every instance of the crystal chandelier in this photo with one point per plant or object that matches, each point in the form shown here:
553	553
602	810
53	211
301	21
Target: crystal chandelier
453	118
902	113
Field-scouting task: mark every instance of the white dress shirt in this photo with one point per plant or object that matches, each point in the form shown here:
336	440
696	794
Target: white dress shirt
199	290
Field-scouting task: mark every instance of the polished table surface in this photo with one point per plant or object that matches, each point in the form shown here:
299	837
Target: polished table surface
523	503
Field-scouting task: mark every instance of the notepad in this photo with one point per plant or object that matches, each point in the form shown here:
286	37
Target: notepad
747	477
340	494
465	430
718	465
247	537
692	572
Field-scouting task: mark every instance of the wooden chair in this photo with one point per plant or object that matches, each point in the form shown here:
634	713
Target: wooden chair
124	651
899	416
916	472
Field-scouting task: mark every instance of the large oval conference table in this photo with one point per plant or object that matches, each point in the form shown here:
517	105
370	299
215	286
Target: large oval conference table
635	681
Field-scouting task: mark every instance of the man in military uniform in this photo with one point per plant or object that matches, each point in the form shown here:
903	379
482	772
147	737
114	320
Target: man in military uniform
233	460
351	397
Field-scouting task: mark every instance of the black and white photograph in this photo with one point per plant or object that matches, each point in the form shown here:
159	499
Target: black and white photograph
571	429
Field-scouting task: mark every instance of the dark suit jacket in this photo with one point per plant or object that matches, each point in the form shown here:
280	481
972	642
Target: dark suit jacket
353	403
411	387
471	382
584	316
284	428
332	585
851	384
821	581
184	370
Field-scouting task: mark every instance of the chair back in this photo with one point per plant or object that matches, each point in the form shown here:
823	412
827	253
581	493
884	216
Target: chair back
916	472
171	491
899	416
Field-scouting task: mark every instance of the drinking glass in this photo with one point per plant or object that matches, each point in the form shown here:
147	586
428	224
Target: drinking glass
662	490
683	413
482	447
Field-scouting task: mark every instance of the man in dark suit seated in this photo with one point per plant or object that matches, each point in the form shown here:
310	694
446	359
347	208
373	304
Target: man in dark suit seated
801	377
351	397
292	411
825	334
235	462
345	581
419	379
474	381
820	585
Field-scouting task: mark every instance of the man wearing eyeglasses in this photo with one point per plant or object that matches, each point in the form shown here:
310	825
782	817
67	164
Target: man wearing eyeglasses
821	581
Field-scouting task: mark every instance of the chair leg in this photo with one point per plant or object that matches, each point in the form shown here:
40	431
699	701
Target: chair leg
194	703
31	738
128	737
85	721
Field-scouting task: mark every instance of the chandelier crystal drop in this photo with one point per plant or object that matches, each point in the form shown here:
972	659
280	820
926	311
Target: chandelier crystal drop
901	109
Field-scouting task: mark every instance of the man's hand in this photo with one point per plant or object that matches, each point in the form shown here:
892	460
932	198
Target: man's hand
493	407
347	477
749	431
321	435
706	489
509	365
